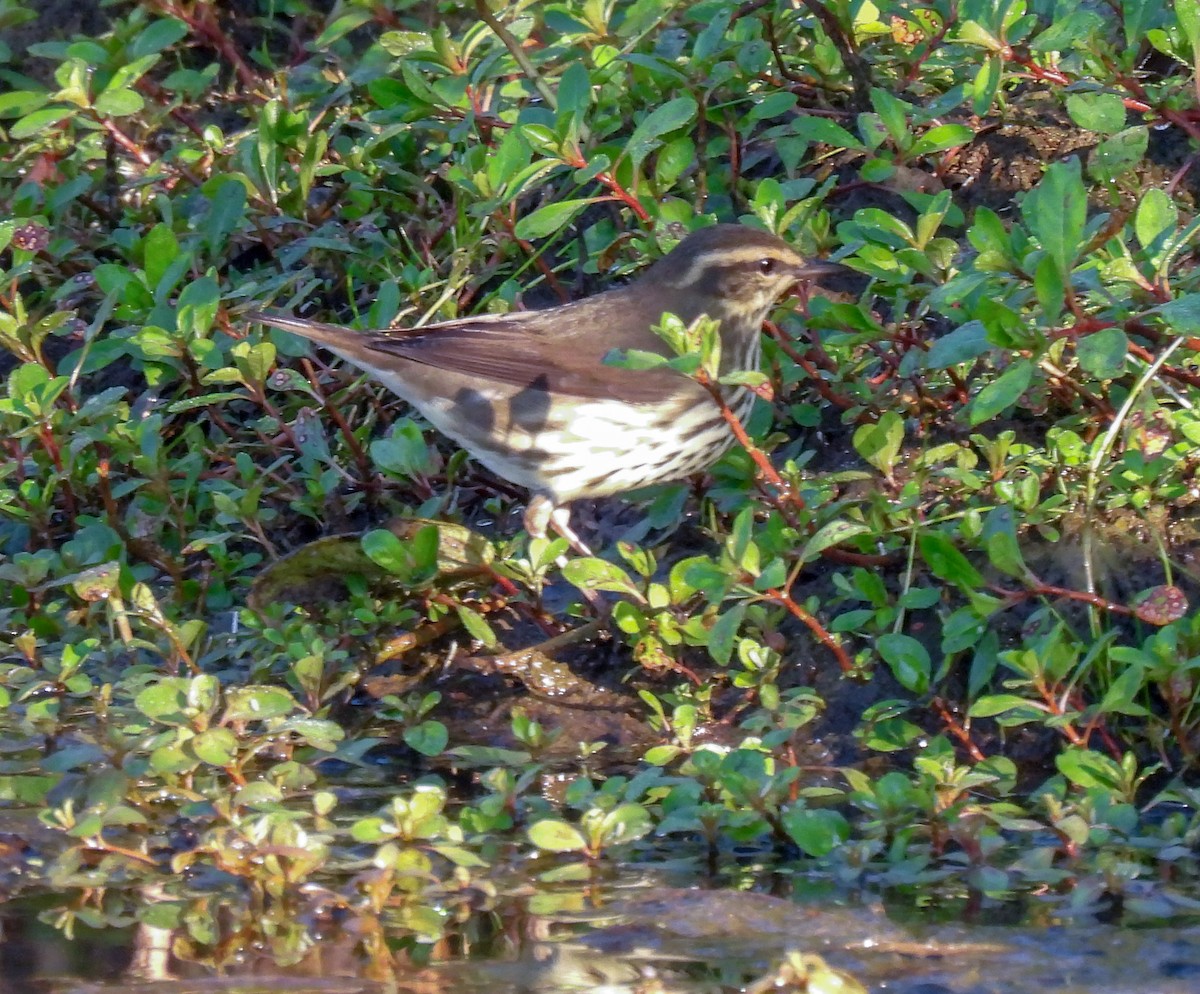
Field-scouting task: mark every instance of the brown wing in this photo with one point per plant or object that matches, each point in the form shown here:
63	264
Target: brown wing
558	351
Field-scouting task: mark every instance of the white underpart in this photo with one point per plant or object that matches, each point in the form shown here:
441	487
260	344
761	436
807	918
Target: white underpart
626	450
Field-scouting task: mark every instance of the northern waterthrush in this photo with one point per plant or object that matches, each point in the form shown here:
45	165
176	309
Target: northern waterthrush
528	394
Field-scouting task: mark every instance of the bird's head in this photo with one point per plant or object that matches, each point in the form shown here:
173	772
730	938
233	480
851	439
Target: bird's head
732	273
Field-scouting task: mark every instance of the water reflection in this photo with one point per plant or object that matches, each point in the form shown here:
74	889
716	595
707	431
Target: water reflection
617	939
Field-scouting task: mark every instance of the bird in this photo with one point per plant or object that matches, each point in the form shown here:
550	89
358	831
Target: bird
528	394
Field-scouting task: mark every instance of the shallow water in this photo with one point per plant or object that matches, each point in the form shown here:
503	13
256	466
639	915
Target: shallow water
635	938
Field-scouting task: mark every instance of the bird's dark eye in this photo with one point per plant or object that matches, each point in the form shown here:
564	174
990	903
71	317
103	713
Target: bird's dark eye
766	266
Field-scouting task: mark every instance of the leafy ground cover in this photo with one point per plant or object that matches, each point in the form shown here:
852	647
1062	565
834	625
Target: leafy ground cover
929	633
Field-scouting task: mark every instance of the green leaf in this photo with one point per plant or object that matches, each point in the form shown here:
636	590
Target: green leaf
1187	12
625	823
553	835
908	660
590	573
1072	27
164	701
886	224
404	451
226	213
128	73
880	443
942	137
257	703
974	33
1050	289
254	360
1120	153
17	103
1102	353
429	738
574	90
156	36
1119	698
997	704
818	832
342	26
39	121
120	102
831	534
723	635
477	626
159	249
1182	315
402	43
198	303
216	746
507	160
1002	392
96	583
672	159
413	562
772	105
549	220
963	344
646	137
373	830
1056	211
1103	112
1089	769
986	85
744	378
893	112
1005	554
821	129
1155	220
946	562
1138	16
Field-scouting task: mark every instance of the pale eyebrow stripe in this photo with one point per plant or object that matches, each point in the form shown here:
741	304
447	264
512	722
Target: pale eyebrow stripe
725	259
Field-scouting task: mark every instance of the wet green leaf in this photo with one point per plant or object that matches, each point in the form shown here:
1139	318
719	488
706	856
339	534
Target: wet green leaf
599	574
120	102
165	701
1120	153
218	746
625	823
1103	112
554	835
257	703
1155	220
817	832
429	738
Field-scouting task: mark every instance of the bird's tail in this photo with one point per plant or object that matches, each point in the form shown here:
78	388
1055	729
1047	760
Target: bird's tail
332	335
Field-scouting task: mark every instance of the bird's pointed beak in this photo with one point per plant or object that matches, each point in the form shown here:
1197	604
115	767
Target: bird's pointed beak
817	269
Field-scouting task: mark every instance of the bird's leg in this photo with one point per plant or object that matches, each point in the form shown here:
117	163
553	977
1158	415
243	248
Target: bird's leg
560	521
542	513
